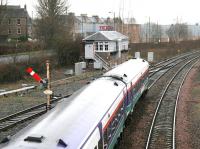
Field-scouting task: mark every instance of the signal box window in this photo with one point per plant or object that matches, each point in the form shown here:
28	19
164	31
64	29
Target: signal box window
101	46
96	44
106	46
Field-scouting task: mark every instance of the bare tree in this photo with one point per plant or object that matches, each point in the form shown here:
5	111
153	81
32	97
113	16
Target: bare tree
51	8
151	32
3	2
178	32
118	24
49	25
156	33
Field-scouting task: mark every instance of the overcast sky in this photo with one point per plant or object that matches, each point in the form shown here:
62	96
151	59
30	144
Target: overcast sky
161	11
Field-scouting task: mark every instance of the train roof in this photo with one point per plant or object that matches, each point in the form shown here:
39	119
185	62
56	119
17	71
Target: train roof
129	69
74	118
71	121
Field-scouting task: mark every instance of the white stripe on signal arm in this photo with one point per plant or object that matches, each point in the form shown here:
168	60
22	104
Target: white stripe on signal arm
32	73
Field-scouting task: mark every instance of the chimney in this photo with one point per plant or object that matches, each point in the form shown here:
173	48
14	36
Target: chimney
25	7
84	17
71	14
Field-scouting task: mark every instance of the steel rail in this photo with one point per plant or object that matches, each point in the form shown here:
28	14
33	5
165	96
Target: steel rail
167	69
72	78
26	114
34	114
172	58
164	65
161	99
177	99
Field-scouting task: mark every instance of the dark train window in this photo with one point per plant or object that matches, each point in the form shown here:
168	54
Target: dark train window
105	146
100	144
112	127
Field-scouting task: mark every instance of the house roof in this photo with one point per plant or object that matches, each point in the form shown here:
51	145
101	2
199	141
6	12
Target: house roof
16	12
93	19
106	35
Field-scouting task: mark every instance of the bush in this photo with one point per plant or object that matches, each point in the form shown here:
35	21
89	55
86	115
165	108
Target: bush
16	72
10	48
22	38
68	52
10	73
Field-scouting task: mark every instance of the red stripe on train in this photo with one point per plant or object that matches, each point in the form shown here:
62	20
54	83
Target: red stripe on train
121	102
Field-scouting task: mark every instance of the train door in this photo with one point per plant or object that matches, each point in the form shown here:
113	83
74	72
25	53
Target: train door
114	128
128	100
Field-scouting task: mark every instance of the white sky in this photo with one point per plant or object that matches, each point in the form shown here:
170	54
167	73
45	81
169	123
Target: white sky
163	11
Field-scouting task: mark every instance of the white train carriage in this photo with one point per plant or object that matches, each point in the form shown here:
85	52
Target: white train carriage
93	117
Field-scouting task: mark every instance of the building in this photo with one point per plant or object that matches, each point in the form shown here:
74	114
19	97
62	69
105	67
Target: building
194	32
85	25
15	22
104	46
153	33
132	31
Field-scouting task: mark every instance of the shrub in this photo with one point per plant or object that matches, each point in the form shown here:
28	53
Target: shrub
16	72
10	73
68	52
22	38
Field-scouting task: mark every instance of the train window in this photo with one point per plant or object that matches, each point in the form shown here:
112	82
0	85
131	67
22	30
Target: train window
133	91
105	146
128	99
105	137
112	127
100	144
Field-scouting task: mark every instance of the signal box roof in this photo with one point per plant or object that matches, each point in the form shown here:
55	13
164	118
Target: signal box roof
106	36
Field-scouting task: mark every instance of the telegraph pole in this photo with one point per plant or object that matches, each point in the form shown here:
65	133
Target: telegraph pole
149	30
114	22
82	25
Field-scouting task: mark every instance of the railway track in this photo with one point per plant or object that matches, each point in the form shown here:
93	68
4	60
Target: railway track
153	69
27	114
172	59
162	131
156	75
169	63
33	112
145	109
8	123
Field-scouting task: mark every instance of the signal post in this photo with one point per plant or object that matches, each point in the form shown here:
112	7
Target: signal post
48	92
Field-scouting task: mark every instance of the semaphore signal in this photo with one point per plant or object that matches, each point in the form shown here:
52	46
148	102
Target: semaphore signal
44	82
34	75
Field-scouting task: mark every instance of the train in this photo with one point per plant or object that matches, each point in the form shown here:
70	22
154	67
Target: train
92	117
